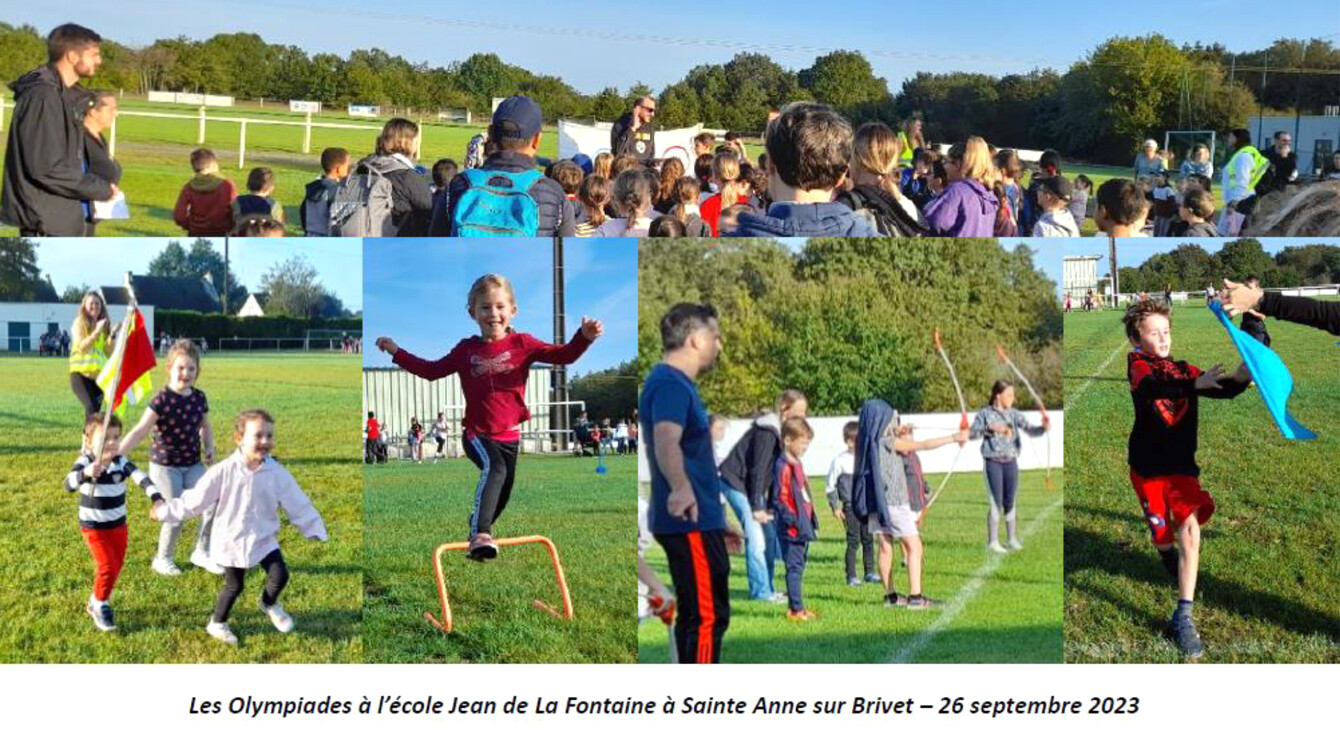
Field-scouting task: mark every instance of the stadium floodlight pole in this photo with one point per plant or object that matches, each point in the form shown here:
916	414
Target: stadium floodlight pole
1116	283
118	353
558	415
225	274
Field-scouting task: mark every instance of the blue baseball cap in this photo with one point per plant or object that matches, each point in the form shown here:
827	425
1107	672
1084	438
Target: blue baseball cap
517	117
583	161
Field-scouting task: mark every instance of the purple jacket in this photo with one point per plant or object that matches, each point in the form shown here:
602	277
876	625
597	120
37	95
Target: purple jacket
965	209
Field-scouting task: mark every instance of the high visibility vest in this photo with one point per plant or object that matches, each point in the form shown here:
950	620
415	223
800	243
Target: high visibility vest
91	361
905	157
1259	166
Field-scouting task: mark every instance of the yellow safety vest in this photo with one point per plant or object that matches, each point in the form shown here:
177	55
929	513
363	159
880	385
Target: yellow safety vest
1259	166
905	157
90	363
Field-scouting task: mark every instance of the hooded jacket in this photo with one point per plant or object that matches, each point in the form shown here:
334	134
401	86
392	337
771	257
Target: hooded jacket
792	503
205	206
869	488
804	219
547	193
45	182
965	209
748	466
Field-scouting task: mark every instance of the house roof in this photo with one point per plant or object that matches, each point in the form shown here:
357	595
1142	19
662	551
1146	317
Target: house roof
169	292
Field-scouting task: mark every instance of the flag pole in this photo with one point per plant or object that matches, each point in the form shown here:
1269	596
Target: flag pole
118	355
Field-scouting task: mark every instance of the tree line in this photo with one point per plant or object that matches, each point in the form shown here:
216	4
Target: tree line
1099	109
845	320
1191	268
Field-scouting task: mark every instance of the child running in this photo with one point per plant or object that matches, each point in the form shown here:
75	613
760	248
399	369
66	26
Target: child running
998	424
179	418
1162	451
101	482
493	367
793	507
246	491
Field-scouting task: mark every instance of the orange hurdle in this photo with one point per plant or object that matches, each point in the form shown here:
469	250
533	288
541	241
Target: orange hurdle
445	624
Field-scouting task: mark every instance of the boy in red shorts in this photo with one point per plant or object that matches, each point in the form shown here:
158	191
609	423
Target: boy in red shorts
1162	451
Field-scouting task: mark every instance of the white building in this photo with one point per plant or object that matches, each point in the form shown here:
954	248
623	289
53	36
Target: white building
22	323
1080	275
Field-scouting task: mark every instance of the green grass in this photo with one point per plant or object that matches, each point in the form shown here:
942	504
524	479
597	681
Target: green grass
411	508
1268	587
1014	617
47	570
155	156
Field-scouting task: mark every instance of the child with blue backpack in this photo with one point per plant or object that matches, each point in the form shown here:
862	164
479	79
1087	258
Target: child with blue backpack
507	195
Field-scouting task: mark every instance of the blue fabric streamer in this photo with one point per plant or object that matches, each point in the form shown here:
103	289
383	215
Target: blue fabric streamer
1272	378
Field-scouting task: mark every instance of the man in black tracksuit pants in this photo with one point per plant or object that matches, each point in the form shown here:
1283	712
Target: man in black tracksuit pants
47	182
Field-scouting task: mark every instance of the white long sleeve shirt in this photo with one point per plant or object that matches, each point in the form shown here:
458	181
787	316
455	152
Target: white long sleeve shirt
246	515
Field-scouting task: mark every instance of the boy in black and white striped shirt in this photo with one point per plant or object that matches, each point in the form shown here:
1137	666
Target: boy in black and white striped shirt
100	482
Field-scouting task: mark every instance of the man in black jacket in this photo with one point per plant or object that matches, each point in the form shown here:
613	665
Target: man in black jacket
633	133
516	131
1283	168
47	185
1240	298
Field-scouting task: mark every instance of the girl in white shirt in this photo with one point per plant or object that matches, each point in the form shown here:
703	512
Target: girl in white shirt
246	491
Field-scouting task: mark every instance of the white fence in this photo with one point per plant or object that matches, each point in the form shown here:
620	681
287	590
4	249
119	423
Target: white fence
203	118
827	444
396	395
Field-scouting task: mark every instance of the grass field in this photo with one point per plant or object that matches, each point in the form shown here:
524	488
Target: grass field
47	570
411	508
1268	587
995	608
155	154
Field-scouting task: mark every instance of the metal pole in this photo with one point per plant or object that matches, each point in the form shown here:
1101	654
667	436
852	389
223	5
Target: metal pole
1116	284
225	274
559	383
307	135
200	134
111	143
242	146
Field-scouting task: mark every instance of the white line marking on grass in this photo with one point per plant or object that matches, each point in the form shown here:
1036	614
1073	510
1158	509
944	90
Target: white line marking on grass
1070	400
968	592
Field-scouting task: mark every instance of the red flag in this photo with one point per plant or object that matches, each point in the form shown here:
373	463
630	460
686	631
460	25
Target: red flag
138	358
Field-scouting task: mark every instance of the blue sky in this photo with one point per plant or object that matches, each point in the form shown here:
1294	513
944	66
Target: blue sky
596	43
1135	251
104	261
416	293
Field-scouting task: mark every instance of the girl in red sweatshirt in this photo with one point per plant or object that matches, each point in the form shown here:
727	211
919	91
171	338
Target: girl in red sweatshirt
493	368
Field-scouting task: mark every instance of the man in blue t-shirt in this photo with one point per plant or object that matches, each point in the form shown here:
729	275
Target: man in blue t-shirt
686	515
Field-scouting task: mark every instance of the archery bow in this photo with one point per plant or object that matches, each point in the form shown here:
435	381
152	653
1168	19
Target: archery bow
963	419
1000	351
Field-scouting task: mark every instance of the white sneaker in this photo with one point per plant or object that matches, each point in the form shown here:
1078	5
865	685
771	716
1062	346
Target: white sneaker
221	632
1015	544
278	616
995	547
164	566
202	560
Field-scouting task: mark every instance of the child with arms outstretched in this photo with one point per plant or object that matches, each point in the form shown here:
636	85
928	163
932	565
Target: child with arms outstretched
246	491
493	367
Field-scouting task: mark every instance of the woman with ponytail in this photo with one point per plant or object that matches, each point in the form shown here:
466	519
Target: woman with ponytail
875	195
733	189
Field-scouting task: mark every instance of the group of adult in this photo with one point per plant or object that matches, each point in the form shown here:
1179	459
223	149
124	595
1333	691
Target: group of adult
57	164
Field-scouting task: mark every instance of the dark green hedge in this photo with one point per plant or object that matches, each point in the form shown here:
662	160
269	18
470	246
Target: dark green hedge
179	323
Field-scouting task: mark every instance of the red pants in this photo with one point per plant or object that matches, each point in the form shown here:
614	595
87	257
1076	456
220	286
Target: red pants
1168	501
109	554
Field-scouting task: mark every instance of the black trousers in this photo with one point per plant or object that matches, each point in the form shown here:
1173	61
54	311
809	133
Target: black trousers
699	568
858	533
497	470
234	579
87	391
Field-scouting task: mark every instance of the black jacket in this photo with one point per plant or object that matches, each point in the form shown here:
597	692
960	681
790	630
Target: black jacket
1302	310
555	218
623	141
45	182
749	466
411	203
884	211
